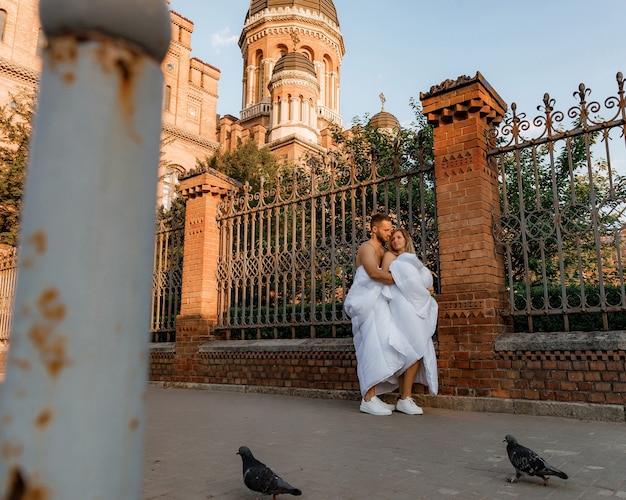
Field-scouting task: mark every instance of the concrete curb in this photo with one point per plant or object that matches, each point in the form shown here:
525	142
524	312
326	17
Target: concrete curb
579	411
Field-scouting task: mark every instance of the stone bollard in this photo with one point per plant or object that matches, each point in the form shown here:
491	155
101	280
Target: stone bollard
72	409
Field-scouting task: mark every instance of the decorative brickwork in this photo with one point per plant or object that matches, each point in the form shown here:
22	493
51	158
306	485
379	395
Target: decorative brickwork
571	376
472	272
198	313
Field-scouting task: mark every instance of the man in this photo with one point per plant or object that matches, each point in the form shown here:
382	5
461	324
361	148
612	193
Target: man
377	360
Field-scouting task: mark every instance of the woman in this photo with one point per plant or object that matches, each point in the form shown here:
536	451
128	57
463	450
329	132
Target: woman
414	310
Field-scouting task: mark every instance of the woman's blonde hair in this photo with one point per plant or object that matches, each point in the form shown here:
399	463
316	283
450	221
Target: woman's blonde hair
410	248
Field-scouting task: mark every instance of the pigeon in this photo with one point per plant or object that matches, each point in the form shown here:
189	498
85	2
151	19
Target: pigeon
526	461
260	478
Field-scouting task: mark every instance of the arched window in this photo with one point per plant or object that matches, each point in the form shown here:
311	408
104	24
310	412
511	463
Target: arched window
168	192
3	23
329	89
303	109
308	52
282	50
167	97
259	77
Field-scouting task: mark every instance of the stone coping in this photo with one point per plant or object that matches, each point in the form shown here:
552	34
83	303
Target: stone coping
162	346
562	341
279	345
556	341
270	345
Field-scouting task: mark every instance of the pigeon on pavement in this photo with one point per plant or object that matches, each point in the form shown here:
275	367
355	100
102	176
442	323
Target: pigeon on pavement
260	478
526	461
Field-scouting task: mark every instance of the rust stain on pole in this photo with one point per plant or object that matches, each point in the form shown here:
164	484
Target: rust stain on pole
62	49
21	490
49	306
134	424
127	61
10	450
51	345
43	418
38	242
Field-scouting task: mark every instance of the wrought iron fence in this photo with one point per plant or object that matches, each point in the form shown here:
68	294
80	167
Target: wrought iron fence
166	282
287	254
8	280
562	225
167	278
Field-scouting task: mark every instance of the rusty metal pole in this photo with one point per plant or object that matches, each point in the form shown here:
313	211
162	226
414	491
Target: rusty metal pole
71	413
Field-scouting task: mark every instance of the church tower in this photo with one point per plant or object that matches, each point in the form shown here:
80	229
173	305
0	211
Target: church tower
292	52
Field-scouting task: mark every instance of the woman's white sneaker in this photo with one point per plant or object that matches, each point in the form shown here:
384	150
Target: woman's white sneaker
389	406
374	407
409	407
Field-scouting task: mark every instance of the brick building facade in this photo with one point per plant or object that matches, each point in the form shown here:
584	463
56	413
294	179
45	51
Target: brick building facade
291	59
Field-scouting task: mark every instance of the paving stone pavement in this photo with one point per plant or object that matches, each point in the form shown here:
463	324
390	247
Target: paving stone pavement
330	450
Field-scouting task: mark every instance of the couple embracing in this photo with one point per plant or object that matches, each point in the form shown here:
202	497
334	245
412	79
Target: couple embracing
394	317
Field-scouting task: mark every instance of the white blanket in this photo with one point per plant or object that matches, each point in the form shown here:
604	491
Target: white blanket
414	311
378	362
393	326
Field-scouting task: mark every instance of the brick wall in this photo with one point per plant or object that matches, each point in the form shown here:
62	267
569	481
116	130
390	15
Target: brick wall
589	384
571	376
309	364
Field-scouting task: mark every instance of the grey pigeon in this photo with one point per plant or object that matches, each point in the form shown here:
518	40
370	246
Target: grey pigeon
260	478
526	461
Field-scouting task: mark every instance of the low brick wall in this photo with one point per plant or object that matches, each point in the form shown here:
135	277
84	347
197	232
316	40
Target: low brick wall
297	364
587	367
532	374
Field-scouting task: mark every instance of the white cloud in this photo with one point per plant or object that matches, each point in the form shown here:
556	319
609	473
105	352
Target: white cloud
223	38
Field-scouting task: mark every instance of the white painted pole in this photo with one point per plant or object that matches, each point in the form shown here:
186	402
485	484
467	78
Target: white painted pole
71	413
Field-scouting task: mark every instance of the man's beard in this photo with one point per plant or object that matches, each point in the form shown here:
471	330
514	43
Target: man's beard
380	240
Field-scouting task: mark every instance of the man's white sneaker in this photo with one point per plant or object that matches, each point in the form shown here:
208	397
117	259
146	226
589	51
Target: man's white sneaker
374	407
409	407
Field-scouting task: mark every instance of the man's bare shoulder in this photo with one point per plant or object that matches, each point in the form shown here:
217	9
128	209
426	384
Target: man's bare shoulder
367	246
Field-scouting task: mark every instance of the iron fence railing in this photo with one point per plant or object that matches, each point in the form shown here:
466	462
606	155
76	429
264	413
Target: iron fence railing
562	225
8	281
167	278
166	282
287	254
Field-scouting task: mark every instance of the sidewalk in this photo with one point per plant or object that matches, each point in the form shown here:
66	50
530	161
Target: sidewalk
330	450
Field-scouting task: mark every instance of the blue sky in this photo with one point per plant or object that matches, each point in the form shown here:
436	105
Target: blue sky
524	48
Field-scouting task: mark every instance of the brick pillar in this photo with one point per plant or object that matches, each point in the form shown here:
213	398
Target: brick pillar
198	312
472	271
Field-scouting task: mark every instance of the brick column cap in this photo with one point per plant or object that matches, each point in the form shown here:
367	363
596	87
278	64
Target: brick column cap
456	98
207	180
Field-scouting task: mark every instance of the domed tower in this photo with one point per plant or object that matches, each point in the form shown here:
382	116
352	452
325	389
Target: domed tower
292	52
383	120
294	93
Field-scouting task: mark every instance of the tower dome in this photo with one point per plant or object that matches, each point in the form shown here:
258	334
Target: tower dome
325	7
294	92
383	119
294	61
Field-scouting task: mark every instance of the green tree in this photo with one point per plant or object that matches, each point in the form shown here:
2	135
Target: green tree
247	163
402	159
554	178
15	130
